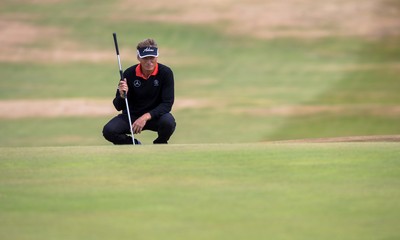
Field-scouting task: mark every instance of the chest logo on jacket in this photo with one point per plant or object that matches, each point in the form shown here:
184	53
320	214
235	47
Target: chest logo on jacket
137	83
156	83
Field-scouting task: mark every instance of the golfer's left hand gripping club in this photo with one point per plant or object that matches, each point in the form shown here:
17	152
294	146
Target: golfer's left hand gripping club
121	74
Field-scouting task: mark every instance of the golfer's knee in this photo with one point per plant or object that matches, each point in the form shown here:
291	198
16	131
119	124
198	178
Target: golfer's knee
167	123
108	133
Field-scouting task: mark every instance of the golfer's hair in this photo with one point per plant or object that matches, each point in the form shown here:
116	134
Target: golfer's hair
149	42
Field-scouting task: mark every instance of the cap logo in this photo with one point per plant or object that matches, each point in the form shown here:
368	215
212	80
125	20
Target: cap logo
148	49
147	52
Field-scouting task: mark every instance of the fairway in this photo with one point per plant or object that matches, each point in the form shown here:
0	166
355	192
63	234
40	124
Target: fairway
202	191
245	71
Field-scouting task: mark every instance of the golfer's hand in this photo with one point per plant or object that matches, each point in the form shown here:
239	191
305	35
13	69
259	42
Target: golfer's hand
139	124
123	88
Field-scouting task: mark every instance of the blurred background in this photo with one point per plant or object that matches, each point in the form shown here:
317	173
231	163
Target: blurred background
245	71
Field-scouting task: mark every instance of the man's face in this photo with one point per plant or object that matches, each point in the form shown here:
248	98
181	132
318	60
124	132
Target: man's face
148	63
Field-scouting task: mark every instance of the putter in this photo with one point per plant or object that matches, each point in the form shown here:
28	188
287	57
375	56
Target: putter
121	73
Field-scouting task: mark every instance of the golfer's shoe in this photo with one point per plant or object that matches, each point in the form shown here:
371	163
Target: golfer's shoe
137	142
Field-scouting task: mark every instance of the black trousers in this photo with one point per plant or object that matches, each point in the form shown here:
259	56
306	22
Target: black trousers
117	129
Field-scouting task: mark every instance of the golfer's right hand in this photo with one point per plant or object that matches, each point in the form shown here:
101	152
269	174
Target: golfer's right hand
123	88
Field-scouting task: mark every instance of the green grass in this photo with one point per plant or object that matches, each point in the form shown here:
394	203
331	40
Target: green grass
72	131
331	125
49	81
59	179
240	191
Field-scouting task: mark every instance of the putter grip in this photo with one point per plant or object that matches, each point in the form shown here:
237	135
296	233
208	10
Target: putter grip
116	43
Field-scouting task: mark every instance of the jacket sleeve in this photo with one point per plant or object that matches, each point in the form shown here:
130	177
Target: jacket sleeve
167	97
119	102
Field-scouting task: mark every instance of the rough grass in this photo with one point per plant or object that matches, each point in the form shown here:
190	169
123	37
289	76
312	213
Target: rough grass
240	191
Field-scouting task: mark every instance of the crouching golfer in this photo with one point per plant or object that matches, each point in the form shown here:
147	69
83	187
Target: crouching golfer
149	87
